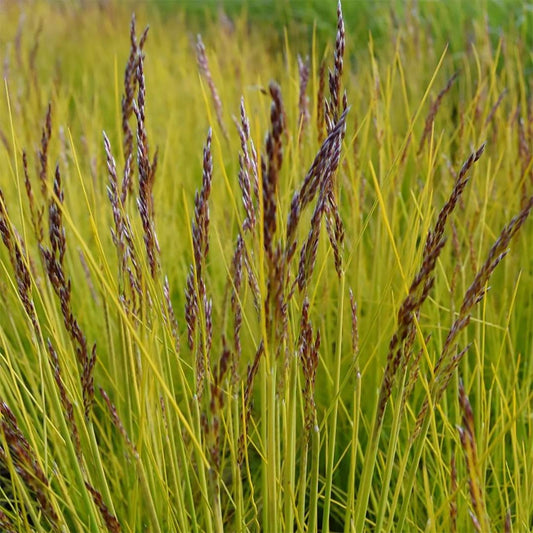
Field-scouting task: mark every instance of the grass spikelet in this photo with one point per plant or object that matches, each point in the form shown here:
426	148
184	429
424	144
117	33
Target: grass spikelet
6	524
422	283
54	261
147	170
130	87
322	170
303	100
36	214
116	205
450	358
244	182
309	249
253	283
335	230
110	521
15	246
335	77
507	526
129	268
196	297
355	326
43	151
430	119
468	441
436	237
203	65
237	273
201	213
191	308
274	153
308	353
16	450
248	173
169	311
208	313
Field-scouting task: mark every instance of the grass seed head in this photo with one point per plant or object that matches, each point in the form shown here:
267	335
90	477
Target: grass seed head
18	258
128	98
237	273
203	65
430	119
335	77
322	170
110	521
43	151
308	352
191	308
303	100
469	445
248	174
24	460
449	358
169	311
35	213
401	345
274	153
5	522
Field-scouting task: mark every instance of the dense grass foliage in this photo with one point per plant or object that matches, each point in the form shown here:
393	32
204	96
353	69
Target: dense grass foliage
245	277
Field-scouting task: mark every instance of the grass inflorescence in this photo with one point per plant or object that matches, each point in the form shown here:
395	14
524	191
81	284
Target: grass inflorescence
248	290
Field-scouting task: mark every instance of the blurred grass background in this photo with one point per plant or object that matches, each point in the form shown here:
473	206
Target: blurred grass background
446	21
449	21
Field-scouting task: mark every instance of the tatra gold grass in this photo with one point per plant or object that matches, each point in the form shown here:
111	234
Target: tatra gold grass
265	276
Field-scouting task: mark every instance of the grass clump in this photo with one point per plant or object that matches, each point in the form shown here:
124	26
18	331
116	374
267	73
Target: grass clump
304	343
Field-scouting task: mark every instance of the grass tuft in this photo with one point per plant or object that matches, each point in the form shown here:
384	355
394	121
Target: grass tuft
287	316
